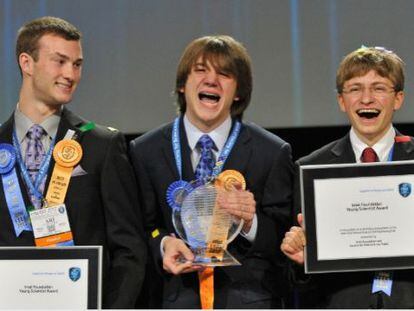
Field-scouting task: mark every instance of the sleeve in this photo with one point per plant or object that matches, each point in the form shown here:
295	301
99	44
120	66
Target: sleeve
154	228
274	208
127	249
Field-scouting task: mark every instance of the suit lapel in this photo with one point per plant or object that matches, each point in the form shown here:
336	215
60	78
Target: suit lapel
241	152
342	151
403	150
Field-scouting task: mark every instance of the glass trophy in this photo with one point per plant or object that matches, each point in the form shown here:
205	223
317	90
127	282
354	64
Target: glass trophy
205	227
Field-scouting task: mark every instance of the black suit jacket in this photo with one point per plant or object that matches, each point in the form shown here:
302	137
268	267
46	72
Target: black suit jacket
265	162
351	289
102	207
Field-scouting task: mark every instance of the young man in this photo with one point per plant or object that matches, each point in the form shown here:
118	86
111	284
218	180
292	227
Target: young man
213	87
370	84
98	193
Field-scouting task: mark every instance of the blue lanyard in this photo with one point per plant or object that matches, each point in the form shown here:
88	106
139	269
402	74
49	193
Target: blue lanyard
34	188
390	155
176	144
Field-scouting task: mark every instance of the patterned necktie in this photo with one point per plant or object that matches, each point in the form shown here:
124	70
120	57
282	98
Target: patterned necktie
369	155
35	154
205	166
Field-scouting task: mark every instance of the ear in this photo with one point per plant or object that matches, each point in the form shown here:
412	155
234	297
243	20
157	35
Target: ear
399	100
26	63
341	102
237	98
181	90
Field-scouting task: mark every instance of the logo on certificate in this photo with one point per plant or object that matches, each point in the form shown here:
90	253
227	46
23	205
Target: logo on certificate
74	273
405	189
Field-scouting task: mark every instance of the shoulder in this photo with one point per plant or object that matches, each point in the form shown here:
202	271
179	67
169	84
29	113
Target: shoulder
325	154
154	135
262	137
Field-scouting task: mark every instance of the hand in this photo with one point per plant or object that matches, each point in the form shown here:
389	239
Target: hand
240	203
173	250
294	242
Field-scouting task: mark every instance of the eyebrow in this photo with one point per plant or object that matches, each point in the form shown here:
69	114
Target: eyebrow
67	57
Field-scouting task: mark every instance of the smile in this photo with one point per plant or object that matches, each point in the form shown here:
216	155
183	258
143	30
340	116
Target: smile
368	113
208	97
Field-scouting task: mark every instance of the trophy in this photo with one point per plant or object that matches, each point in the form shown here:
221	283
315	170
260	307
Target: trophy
201	223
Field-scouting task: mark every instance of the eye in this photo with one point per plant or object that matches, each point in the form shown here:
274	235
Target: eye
380	89
225	74
77	65
354	89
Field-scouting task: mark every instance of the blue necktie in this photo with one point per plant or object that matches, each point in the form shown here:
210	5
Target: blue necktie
205	166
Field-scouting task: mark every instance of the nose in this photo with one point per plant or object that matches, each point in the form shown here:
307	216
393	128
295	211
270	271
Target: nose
69	72
367	95
211	78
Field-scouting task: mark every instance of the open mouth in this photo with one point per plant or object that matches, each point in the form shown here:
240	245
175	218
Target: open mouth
368	113
208	97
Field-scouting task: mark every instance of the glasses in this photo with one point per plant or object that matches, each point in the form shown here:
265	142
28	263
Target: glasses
378	90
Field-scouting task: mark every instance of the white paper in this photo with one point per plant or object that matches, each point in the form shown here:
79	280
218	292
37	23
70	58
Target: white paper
363	217
43	284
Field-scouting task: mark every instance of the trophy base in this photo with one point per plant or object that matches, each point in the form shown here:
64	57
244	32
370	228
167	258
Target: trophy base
201	259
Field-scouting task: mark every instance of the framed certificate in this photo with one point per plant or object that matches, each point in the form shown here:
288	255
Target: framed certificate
50	277
358	216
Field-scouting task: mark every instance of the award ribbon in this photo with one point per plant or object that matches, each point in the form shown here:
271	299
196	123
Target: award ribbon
41	175
12	191
66	154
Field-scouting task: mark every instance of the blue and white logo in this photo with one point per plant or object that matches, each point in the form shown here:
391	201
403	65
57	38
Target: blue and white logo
405	189
74	273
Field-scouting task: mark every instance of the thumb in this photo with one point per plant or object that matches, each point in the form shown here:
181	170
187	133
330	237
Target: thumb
300	219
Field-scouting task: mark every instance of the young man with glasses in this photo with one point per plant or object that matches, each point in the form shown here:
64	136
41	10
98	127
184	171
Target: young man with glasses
370	84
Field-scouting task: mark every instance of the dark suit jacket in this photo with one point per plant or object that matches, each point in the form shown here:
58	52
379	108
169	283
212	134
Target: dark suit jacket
351	289
265	162
102	207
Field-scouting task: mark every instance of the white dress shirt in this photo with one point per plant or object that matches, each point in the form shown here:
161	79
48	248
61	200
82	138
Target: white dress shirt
382	148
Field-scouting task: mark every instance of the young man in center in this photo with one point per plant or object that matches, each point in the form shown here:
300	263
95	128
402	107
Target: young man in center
370	84
213	88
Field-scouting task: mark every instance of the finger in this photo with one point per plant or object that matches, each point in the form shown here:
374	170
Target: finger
300	219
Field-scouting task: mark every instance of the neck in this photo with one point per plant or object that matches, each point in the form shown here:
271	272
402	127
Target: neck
35	110
371	140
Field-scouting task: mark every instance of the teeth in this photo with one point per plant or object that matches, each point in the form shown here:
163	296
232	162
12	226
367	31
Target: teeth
209	96
368	113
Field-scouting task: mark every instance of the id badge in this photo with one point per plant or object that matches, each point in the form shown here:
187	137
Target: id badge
51	226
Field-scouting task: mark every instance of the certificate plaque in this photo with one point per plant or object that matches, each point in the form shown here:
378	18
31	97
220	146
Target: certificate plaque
358	216
50	277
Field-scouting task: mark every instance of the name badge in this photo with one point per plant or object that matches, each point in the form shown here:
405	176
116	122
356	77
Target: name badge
51	226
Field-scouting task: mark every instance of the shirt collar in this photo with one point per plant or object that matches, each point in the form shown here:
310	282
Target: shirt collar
23	123
382	147
218	135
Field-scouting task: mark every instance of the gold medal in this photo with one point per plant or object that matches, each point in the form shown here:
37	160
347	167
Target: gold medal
67	154
228	178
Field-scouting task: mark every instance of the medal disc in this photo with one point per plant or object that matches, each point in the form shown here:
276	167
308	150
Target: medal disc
7	158
228	178
67	153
